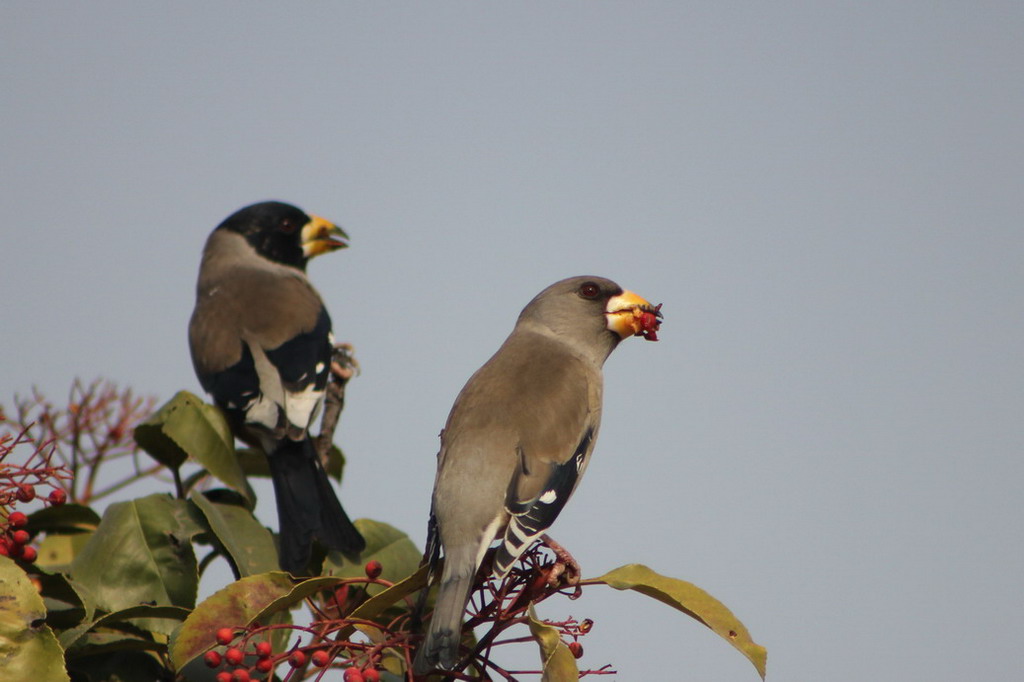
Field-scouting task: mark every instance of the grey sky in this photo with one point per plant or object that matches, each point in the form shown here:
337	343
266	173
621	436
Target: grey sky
827	197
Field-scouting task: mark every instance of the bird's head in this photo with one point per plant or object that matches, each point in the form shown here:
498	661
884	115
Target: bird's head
285	234
593	312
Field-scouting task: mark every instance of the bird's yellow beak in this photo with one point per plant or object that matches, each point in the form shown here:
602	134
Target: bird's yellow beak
631	315
322	236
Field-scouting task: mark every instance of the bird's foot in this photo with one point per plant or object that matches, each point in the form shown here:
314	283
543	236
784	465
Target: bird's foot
566	570
344	365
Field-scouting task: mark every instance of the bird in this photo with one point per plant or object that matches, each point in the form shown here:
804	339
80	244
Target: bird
261	343
518	439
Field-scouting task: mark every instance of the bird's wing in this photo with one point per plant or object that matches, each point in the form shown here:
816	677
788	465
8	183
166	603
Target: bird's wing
536	497
563	395
261	342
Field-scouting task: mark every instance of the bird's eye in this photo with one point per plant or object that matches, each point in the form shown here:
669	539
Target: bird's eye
589	290
287	226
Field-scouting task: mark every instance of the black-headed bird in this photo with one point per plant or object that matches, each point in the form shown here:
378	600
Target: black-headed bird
261	344
519	438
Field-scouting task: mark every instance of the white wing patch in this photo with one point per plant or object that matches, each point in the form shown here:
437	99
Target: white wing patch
300	408
263	412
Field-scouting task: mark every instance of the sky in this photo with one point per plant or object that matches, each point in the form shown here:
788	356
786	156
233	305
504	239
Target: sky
826	197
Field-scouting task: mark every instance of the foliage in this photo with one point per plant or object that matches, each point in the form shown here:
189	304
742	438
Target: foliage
96	597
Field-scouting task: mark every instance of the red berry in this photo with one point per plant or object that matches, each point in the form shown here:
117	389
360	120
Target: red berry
17	520
234	656
576	649
5	549
212	659
26	493
297	659
371	675
15	551
223	676
28	554
58	497
320	658
225	635
20	537
373	569
263	648
265	665
586	625
354	675
240	675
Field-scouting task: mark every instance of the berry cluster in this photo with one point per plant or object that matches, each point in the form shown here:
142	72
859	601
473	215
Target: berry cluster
262	660
248	653
14	537
14	541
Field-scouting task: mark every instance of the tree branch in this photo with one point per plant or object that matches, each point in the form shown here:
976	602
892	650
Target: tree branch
343	368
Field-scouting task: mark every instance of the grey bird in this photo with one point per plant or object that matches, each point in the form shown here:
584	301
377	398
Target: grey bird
519	438
261	345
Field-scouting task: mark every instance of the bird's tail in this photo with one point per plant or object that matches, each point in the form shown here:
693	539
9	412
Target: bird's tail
440	648
307	506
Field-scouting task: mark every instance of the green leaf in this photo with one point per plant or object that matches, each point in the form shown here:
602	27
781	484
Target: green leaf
65	518
67	603
692	601
121	637
28	648
57	587
249	545
85	596
396	553
117	666
141	554
142	615
559	663
253	462
188	428
151	438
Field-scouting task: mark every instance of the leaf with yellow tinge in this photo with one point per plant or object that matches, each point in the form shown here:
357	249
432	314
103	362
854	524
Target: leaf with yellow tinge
237	605
559	663
56	552
175	614
28	648
259	598
376	604
692	601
